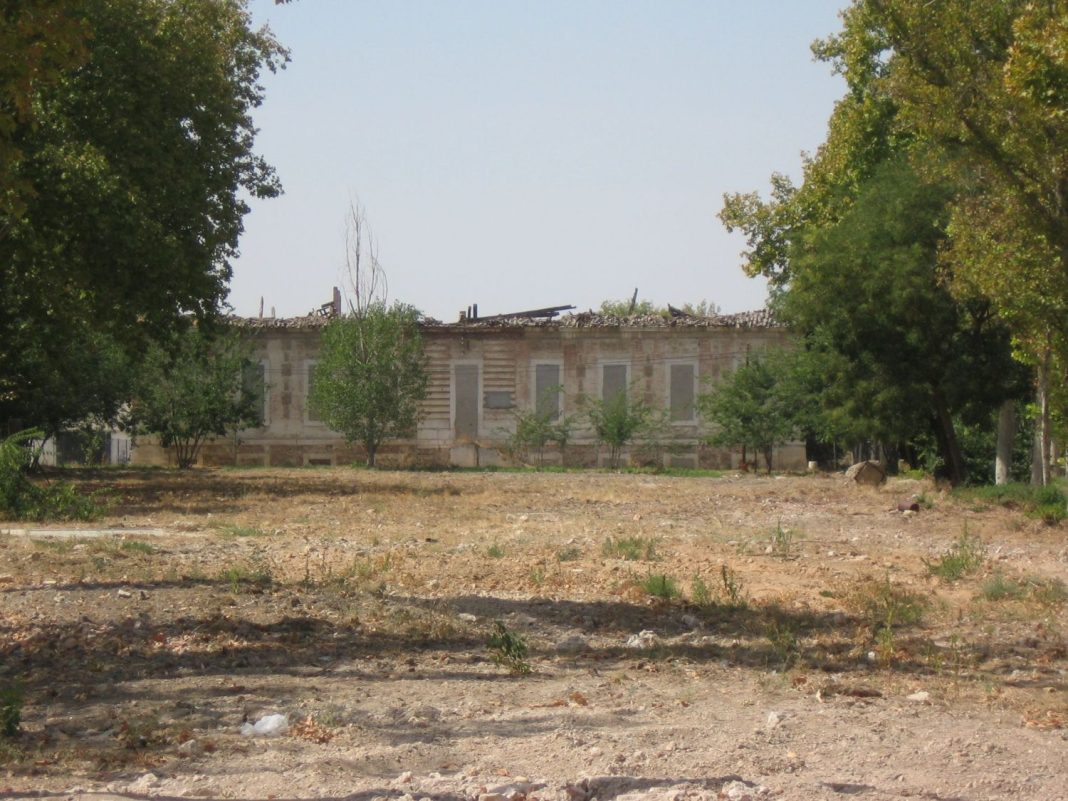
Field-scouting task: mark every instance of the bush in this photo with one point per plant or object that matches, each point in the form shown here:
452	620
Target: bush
10	710
660	585
21	499
965	556
1046	503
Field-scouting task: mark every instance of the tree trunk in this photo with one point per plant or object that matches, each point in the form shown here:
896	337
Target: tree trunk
948	441
1040	459
768	453
372	450
1006	438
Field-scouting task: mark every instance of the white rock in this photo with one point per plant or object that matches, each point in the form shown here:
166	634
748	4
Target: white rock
643	639
920	696
467	617
189	748
143	784
775	718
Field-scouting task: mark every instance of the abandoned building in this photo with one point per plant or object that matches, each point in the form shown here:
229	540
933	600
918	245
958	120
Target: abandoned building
483	370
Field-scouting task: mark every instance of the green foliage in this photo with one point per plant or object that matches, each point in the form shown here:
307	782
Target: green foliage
755	406
784	642
121	210
881	605
632	549
1046	503
964	557
729	592
731	588
495	551
11	700
646	308
508	649
999	588
371	375
193	390
700	593
21	499
569	554
660	585
539	427
781	541
616	422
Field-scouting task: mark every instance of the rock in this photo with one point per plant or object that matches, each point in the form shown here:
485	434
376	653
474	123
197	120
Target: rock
868	473
189	748
743	791
908	506
143	784
643	639
921	697
573	642
775	718
467	617
124	594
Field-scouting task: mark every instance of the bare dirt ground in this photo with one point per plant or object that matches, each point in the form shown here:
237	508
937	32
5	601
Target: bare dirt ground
810	654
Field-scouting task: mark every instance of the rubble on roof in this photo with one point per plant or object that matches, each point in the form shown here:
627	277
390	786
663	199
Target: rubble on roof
760	318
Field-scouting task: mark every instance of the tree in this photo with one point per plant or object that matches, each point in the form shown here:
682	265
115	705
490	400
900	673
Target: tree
616	421
194	389
371	375
123	210
983	87
754	406
865	283
535	428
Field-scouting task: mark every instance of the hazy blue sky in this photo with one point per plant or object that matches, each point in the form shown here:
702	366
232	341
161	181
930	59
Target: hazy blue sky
526	154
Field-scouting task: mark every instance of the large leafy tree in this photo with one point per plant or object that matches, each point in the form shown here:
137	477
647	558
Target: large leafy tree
758	406
903	357
983	86
134	161
371	375
859	261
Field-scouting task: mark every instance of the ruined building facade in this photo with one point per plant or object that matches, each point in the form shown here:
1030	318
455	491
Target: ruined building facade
482	372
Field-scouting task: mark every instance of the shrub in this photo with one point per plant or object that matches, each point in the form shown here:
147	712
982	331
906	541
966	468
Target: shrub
10	710
965	556
632	549
508	649
21	499
660	585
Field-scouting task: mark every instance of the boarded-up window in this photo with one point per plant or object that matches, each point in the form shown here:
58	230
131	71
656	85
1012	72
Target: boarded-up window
547	390
613	381
465	385
254	385
682	392
312	416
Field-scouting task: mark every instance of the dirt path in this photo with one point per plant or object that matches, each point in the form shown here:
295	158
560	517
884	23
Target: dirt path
808	653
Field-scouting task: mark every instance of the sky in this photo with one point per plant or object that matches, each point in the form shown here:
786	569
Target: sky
517	154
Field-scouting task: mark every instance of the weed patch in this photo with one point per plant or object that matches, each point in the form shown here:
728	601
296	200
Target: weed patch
660	585
631	549
964	557
508	649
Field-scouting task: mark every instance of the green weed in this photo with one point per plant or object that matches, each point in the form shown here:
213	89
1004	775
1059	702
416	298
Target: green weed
700	593
508	649
784	642
137	546
11	700
660	585
631	549
731	588
569	554
495	551
964	557
880	605
999	588
235	531
781	541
